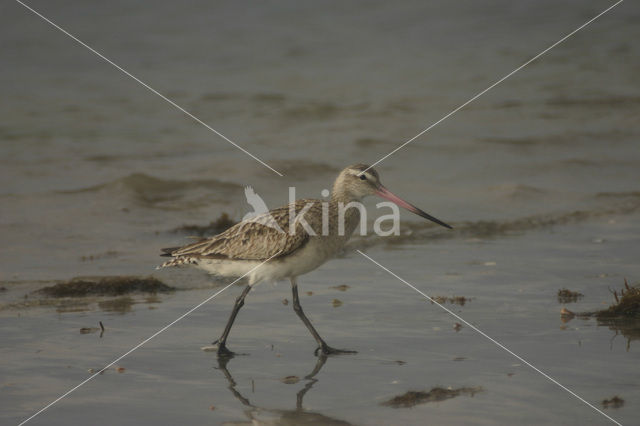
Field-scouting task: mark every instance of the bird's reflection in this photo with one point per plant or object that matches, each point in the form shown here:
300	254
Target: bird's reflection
259	415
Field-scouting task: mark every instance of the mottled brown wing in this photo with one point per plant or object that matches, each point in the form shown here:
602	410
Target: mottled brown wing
258	239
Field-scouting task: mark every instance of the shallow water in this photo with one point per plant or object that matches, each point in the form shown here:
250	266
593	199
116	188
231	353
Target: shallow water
403	342
539	177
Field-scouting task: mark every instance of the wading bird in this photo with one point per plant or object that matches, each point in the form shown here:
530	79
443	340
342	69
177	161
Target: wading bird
287	242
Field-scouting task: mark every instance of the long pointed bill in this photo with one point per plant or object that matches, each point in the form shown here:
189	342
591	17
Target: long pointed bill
388	195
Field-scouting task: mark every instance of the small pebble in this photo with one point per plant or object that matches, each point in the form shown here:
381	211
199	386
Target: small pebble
290	380
336	303
120	369
565	313
341	287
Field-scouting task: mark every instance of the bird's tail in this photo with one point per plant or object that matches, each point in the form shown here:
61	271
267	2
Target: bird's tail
178	261
166	252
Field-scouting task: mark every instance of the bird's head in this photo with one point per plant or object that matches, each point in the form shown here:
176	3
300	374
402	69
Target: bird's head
359	180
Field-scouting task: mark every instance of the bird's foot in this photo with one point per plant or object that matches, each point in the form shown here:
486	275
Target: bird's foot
328	350
223	351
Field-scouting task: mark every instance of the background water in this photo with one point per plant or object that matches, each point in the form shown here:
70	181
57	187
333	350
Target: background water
539	177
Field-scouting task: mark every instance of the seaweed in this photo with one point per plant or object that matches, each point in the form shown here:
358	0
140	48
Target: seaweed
567	296
615	402
106	286
437	394
627	303
622	317
454	300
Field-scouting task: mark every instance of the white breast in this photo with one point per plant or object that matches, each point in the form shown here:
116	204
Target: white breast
307	258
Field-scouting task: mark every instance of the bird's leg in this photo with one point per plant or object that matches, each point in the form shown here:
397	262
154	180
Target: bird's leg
322	345
222	341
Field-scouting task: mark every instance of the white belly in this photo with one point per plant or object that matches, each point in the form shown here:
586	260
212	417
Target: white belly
306	259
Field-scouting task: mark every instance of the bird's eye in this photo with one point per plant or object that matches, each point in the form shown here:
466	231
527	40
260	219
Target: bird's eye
363	177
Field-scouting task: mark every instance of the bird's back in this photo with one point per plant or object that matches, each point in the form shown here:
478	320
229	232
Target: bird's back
259	238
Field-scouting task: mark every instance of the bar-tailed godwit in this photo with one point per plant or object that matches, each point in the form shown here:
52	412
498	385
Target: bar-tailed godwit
290	247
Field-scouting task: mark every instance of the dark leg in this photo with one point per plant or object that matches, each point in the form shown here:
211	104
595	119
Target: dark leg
222	341
322	345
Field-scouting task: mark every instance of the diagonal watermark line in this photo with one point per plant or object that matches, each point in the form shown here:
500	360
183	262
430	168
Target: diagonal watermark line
493	340
64	395
495	84
151	89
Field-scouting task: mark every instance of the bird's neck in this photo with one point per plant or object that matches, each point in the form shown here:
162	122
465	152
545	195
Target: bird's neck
340	210
340	195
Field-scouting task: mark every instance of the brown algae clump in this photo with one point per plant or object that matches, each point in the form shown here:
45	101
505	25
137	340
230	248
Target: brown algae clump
567	296
106	286
437	394
627	303
455	300
615	402
623	316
